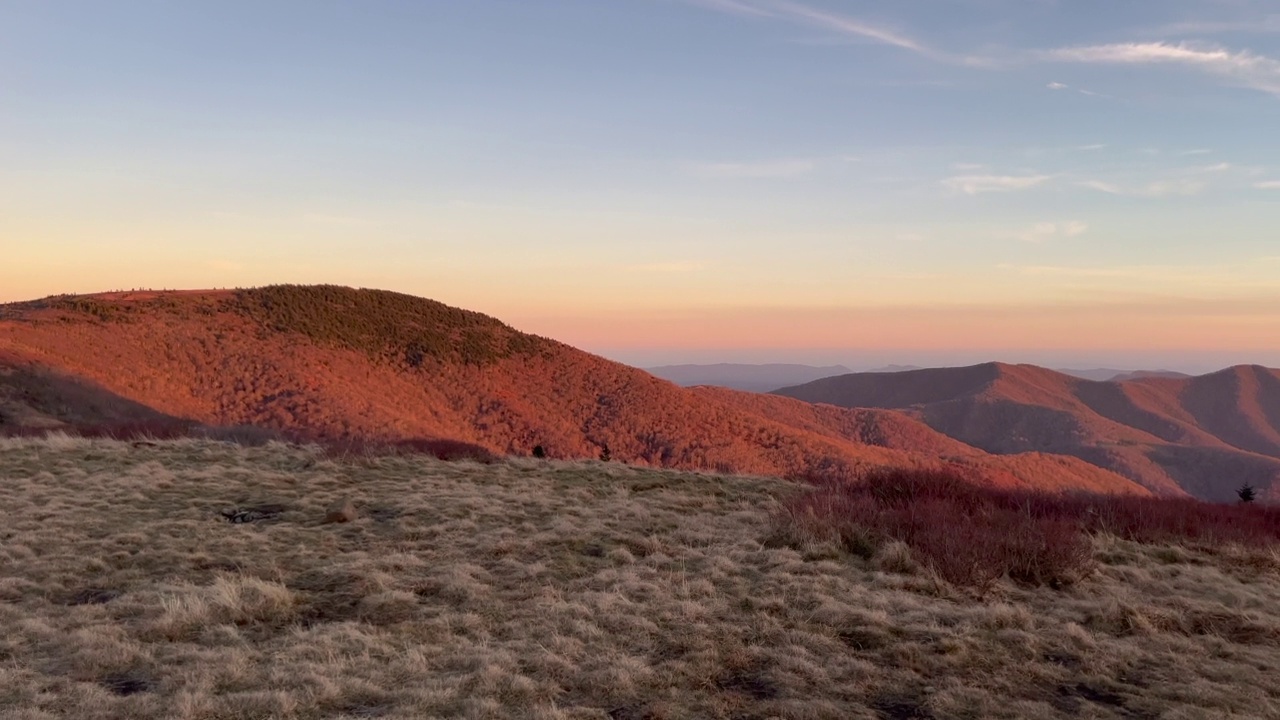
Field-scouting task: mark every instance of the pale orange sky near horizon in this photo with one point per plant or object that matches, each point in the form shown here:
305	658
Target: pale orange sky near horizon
619	310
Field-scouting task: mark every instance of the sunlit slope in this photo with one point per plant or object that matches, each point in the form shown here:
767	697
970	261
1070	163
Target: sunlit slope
330	362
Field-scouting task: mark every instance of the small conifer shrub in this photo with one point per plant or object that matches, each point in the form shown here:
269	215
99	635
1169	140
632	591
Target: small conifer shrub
539	452
1247	494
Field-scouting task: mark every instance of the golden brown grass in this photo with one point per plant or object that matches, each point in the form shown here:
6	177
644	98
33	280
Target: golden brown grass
529	589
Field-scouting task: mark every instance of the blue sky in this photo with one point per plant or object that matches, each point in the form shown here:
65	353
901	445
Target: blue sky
666	180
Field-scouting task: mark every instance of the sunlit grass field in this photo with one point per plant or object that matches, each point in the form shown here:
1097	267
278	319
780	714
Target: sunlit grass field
534	589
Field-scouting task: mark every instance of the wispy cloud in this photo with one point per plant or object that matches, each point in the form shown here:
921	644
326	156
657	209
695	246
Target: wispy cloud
1074	228
840	24
1095	146
1160	188
1268	185
1041	232
1063	86
1242	68
978	184
1183	182
767	169
731	6
1237	277
845	25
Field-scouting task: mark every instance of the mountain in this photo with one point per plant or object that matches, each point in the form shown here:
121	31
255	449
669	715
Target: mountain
752	378
1113	375
1096	374
1140	374
1204	436
331	363
894	368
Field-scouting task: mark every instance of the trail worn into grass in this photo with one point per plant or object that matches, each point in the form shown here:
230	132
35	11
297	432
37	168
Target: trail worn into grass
542	590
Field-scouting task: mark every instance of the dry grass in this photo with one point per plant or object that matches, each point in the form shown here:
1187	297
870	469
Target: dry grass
547	590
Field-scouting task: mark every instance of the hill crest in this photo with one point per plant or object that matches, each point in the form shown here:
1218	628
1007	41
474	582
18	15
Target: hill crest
336	362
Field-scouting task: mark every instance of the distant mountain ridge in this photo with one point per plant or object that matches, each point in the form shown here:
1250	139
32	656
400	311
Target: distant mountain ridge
767	377
742	376
1113	375
331	362
761	377
1204	435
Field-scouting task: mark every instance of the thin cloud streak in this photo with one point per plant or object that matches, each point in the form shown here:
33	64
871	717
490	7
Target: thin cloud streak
850	26
1161	188
978	184
801	14
1040	232
1227	280
1063	86
1184	182
1242	68
731	6
1074	228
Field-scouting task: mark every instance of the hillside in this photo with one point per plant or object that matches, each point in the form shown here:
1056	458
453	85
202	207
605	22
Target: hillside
558	590
335	363
1205	435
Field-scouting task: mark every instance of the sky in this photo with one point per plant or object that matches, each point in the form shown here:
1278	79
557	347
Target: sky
1067	182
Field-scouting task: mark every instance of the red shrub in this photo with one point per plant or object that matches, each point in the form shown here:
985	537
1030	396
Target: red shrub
447	450
1164	520
973	535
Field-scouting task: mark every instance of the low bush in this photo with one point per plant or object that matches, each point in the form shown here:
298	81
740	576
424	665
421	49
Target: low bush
398	328
447	450
441	449
972	535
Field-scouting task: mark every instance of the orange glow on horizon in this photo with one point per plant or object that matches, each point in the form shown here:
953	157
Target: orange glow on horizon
1231	325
